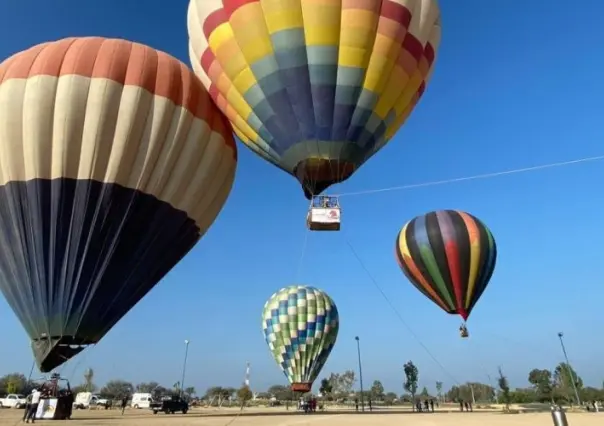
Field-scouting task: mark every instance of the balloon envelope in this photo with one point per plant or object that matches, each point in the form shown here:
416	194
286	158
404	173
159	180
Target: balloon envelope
449	256
316	87
300	325
114	162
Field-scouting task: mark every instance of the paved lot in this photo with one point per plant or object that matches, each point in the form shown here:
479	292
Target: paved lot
262	418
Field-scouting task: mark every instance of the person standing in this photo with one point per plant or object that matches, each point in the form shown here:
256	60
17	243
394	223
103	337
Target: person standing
33	407
124	403
27	405
69	400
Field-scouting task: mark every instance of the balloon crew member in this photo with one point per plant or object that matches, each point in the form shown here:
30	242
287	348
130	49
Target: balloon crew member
33	407
27	405
124	403
69	400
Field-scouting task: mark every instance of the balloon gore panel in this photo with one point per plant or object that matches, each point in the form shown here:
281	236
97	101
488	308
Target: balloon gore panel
78	254
326	82
81	121
449	256
300	325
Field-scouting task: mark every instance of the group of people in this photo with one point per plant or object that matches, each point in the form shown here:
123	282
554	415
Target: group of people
593	405
465	404
308	406
62	410
426	407
64	405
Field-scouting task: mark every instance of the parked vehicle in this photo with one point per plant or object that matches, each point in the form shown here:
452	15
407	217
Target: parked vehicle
13	400
86	400
141	400
170	405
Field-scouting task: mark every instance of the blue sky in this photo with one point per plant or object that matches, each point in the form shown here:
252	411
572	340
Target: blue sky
517	84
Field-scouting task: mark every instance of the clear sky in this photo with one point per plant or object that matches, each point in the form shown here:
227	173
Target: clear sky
517	83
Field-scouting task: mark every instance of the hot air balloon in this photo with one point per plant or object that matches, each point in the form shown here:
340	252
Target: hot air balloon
449	256
300	325
315	87
114	162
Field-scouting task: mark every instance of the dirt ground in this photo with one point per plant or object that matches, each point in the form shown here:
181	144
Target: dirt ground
227	417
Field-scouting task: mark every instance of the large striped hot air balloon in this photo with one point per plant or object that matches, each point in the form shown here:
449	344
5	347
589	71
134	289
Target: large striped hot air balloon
114	162
450	257
315	87
300	325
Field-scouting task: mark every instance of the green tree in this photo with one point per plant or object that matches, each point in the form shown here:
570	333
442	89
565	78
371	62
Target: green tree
439	391
13	383
411	379
505	389
591	394
149	387
12	387
377	390
564	376
281	393
190	391
424	393
78	388
218	395
390	398
471	392
264	395
543	385
116	389
326	388
88	380
346	382
244	394
334	381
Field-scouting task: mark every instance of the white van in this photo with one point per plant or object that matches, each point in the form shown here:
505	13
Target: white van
141	400
86	400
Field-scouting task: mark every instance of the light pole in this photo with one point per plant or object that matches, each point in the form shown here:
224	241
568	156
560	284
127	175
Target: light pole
360	373
184	369
570	370
491	383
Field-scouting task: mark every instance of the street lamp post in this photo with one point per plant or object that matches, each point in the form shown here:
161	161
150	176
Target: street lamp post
184	369
568	366
360	373
491	383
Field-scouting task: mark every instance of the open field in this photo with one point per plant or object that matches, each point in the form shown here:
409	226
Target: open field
335	418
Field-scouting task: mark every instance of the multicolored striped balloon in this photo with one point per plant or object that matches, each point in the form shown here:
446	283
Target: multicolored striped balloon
449	256
316	87
300	325
114	162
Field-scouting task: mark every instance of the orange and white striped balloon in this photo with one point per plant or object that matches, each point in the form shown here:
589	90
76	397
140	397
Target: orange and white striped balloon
114	161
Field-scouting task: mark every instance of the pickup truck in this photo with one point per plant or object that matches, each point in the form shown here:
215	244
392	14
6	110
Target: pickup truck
13	400
170	405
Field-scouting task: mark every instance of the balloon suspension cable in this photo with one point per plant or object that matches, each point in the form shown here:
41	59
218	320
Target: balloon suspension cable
231	421
304	245
476	177
398	314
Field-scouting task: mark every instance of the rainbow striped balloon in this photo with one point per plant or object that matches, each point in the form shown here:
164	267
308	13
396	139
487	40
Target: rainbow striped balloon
449	256
316	87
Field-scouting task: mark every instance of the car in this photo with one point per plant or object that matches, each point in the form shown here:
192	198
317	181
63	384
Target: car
13	400
170	405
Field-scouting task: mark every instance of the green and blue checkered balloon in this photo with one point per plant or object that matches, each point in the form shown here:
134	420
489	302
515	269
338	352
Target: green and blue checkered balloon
300	325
